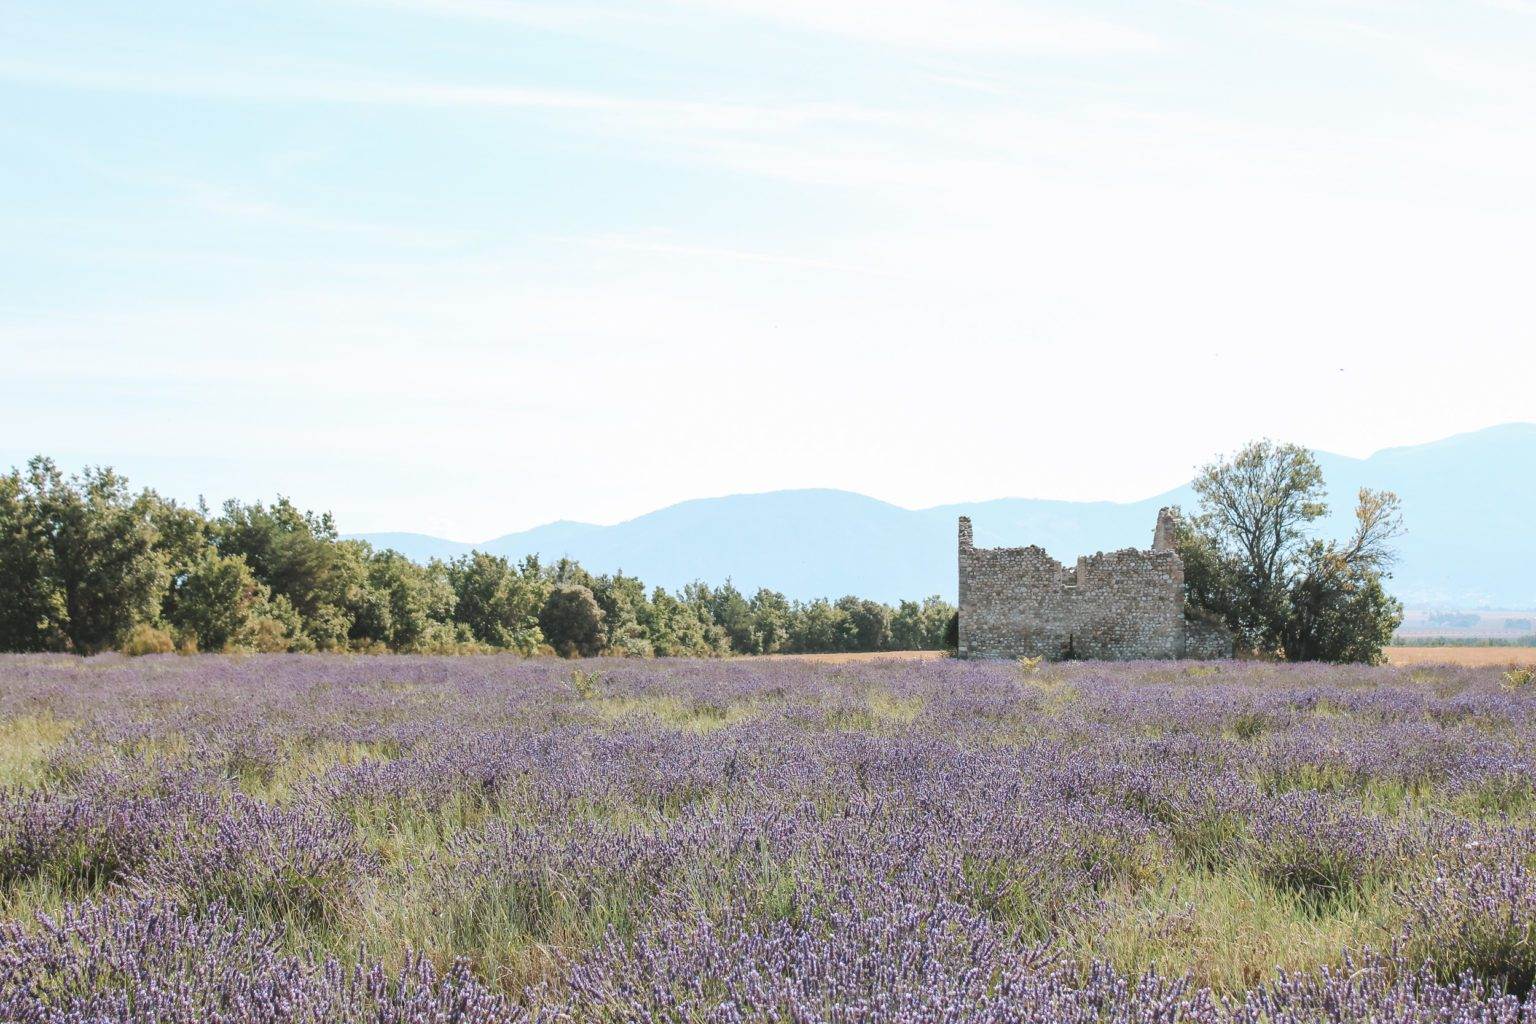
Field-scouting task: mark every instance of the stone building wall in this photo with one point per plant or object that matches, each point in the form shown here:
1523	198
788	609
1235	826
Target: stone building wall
1207	639
1123	605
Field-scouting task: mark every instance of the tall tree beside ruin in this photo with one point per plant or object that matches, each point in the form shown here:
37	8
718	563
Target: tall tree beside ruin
1250	558
1339	610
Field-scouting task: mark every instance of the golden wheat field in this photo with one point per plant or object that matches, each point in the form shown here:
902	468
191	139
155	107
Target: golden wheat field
1475	656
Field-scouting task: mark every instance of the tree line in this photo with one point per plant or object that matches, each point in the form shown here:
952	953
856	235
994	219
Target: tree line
90	565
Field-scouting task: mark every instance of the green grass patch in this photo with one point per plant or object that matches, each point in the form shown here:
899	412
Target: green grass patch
25	743
302	762
673	712
1229	928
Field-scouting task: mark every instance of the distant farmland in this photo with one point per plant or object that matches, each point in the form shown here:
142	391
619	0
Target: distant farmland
1475	656
1420	623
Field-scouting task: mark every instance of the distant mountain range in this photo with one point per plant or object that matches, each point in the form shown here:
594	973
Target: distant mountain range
1469	502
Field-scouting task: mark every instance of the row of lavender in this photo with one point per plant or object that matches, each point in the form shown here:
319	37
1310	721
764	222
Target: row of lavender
298	838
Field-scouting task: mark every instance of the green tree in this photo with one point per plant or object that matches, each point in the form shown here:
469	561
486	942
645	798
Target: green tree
298	556
920	627
181	536
937	614
217	601
908	630
678	629
421	598
731	611
572	622
276	626
31	604
1255	508
1250	559
624	604
86	563
101	566
568	570
866	624
401	603
1339	610
499	602
817	627
1210	577
772	615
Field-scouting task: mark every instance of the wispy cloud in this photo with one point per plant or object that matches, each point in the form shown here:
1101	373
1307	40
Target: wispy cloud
386	226
309	85
967	26
282	84
568	16
996	26
621	243
239	207
1508	82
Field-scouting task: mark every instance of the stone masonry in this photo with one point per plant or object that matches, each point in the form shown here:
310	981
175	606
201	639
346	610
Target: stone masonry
1124	605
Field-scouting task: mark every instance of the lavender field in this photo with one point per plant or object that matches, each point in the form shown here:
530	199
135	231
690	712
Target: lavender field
319	839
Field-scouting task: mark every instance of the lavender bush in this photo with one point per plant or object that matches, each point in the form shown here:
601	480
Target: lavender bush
326	839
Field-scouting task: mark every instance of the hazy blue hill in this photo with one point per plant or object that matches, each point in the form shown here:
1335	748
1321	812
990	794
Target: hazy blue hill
418	547
550	540
819	540
1469	502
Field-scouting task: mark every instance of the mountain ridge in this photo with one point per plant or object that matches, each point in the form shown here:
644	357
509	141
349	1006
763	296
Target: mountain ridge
1466	500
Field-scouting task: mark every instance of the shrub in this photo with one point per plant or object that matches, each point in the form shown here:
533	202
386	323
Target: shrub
275	626
586	684
1306	845
262	861
147	959
447	638
1477	914
146	639
109	827
267	636
1519	678
217	600
572	621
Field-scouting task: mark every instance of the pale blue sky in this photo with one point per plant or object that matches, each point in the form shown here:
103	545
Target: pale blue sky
464	266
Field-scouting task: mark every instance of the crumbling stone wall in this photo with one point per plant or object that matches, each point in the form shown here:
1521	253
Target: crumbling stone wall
1207	639
1123	605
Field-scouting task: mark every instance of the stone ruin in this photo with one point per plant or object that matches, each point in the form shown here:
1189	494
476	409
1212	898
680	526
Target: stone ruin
1121	606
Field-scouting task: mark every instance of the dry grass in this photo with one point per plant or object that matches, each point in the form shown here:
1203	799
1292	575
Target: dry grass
25	744
842	659
1478	657
1230	928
